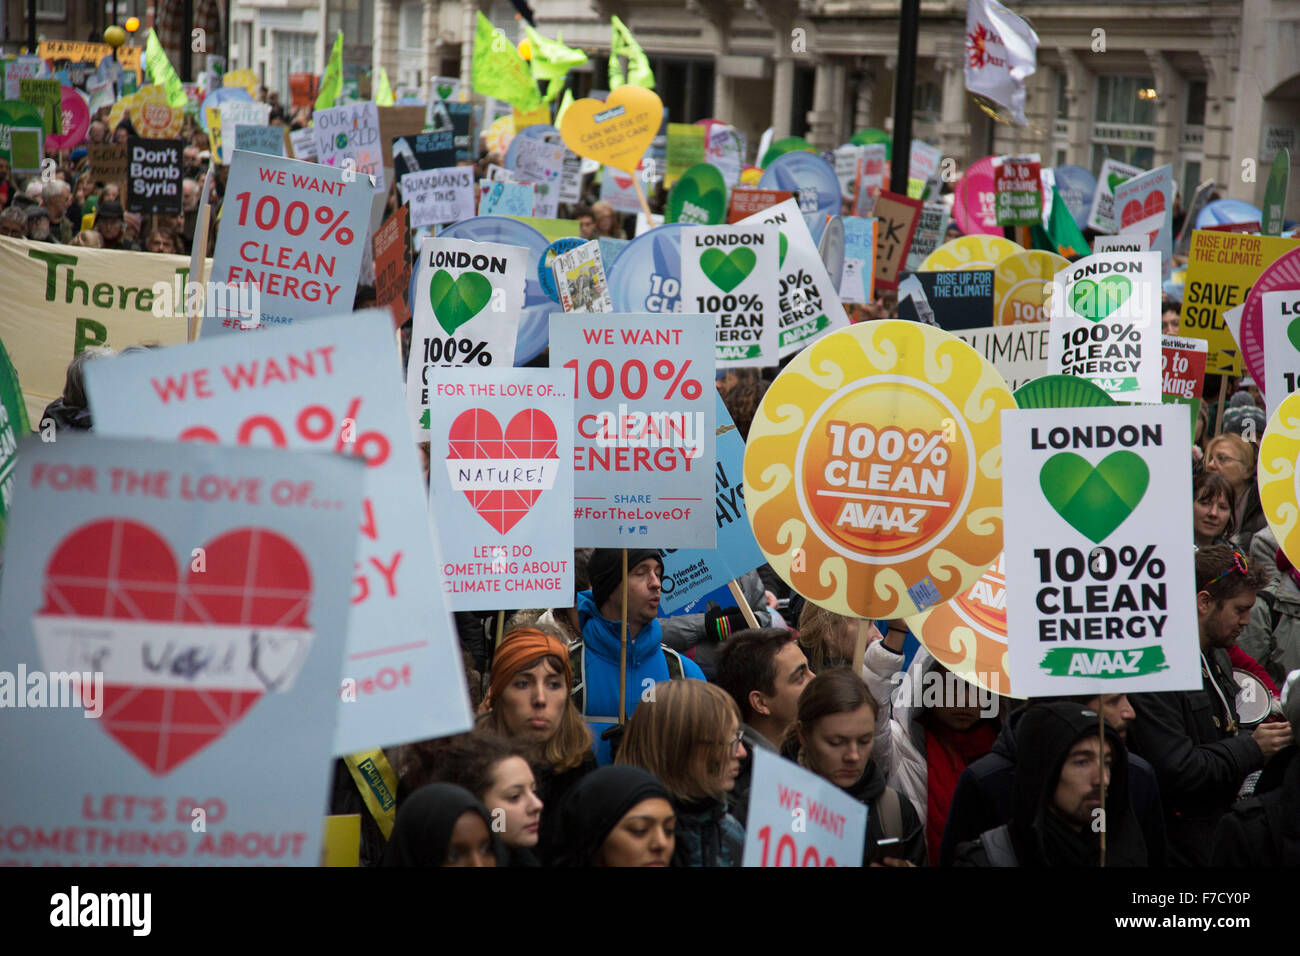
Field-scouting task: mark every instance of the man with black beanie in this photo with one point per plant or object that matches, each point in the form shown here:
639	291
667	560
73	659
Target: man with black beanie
601	613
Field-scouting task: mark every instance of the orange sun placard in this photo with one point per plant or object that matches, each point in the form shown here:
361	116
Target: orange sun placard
873	471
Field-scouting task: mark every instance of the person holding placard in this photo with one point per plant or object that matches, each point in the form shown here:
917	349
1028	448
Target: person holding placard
833	736
618	816
1193	738
688	735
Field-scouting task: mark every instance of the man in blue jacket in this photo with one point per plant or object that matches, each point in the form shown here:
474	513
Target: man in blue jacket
596	659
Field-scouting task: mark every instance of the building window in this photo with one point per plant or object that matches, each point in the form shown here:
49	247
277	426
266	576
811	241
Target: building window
412	27
927	102
1124	120
1062	100
1191	179
1195	103
293	53
51	9
261	39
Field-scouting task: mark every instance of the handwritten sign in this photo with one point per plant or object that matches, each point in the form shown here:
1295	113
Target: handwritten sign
439	196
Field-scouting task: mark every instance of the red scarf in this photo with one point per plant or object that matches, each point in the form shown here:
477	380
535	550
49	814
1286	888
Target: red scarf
946	754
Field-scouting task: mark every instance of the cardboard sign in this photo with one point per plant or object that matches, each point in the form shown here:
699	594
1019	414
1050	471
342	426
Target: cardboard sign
392	251
930	230
153	181
438	196
325	387
959	300
1019	353
1101	216
423	151
644	447
1278	452
580	281
1022	286
296	232
403	121
896	219
267	140
616	132
108	164
858	280
1145	206
731	273
501	472
685	149
506	199
809	302
699	197
131	567
348	137
746	202
468	300
1017	194
879	481
834	830
1099	569
1106	324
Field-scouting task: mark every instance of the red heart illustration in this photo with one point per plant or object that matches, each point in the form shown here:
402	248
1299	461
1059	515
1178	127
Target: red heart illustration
476	435
623	182
121	578
1134	211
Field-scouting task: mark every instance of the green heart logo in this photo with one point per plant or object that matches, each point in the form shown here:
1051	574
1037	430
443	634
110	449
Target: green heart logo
784	248
704	189
1114	179
444	91
1094	501
1293	333
728	271
1096	300
456	301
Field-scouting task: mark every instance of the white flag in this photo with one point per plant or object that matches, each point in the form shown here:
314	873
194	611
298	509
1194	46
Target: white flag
1001	51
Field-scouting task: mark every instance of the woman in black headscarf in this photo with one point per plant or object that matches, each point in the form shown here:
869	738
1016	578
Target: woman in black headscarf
617	816
442	825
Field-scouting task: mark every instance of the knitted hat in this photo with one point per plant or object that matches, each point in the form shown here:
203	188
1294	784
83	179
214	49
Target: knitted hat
606	569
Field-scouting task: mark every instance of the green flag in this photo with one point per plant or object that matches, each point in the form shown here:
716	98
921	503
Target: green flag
499	71
331	83
383	91
551	61
623	43
13	426
1062	234
161	72
565	102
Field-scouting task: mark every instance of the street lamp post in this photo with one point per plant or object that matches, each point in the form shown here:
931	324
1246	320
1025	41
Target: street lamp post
909	22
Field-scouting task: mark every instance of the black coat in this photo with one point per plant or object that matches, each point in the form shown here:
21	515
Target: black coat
1264	830
1200	765
985	792
551	790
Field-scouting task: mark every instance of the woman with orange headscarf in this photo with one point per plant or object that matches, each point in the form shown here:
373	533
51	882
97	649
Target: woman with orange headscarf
529	700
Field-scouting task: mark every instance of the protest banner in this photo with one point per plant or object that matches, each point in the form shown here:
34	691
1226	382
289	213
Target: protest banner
153	180
1019	352
403	121
268	140
731	273
1221	269
506	199
419	151
1022	285
72	51
392	251
468	300
834	829
692	573
644	452
685	148
930	230
579	277
14	424
749	201
1145	205
699	197
808	301
327	386
289	231
1279	450
348	137
192	601
872	176
1101	216
858	280
439	196
46	96
501	470
961	299
1105	317
1017	192
1079	504
896	219
892	476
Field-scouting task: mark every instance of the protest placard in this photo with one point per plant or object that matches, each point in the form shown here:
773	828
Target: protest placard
1279	450
685	149
21	68
644	451
1105	317
748	201
1129	242
580	282
858	281
47	98
468	300
1101	594
303	143
439	196
401	121
423	151
1017	193
872	176
327	386
108	164
960	299
268	140
834	824
506	199
1102	214
154	171
234	113
1018	352
348	137
536	161
699	197
890	460
846	168
930	230
617	189
1281	320
896	218
923	167
1144	205
1022	286
724	147
808	301
290	231
1183	368
392	252
732	274
501	470
193	602
968	635
14	424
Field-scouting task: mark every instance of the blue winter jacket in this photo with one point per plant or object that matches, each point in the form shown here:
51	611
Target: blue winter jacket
645	661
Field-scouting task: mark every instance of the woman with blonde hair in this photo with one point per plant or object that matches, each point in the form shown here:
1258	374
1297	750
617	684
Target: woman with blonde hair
689	736
1233	457
608	222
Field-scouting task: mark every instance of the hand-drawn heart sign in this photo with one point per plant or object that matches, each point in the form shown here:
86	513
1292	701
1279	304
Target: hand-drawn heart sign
502	475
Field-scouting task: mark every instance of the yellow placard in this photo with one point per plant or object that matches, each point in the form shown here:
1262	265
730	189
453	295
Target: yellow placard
214	133
73	52
616	132
499	134
1022	286
1221	268
1279	451
245	79
970	252
750	176
341	840
541	114
129	57
873	472
150	115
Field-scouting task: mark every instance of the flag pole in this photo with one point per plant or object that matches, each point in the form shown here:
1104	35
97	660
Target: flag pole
904	80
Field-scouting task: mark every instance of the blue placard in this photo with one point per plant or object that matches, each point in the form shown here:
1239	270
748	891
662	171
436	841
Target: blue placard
1076	186
226	94
815	181
647	276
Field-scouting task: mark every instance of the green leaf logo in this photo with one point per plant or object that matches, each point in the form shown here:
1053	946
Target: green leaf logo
1094	500
1096	300
1293	333
728	271
1114	179
444	90
784	248
456	301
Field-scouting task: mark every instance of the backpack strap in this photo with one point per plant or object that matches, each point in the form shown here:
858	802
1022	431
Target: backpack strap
676	669
1270	600
998	847
577	661
889	809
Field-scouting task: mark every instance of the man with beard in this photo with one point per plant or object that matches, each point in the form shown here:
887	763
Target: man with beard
1192	738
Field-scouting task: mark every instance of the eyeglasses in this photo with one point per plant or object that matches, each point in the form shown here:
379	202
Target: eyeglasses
1238	564
736	740
1221	459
